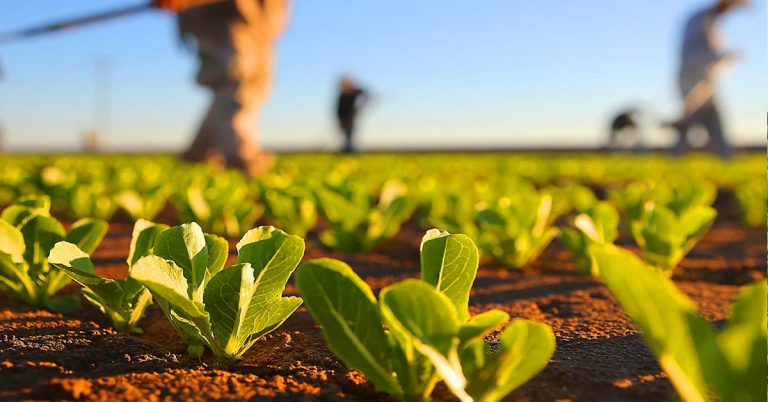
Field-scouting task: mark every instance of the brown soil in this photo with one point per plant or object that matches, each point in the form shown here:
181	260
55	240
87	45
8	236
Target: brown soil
599	356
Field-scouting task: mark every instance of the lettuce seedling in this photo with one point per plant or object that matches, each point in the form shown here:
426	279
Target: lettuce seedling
703	364
92	199
27	234
515	233
291	209
227	310
122	300
356	224
225	205
144	204
675	194
419	332
569	198
665	238
450	211
598	224
752	201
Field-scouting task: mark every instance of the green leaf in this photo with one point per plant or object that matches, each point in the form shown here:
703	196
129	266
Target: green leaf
481	324
226	297
40	234
274	255
185	246
218	251
449	263
681	340
424	324
67	304
237	320
24	208
87	233
268	319
524	350
347	312
143	239
743	345
75	262
606	219
166	281
696	221
40	203
413	310
11	242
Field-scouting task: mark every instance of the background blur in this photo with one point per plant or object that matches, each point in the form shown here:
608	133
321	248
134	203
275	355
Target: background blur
442	73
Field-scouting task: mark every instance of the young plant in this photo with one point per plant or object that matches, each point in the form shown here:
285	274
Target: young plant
356	224
677	195
449	210
665	238
122	300
225	205
93	199
703	364
226	310
27	234
291	209
515	233
751	198
143	204
570	198
419	331
598	224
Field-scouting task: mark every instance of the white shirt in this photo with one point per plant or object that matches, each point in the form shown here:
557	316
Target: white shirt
701	45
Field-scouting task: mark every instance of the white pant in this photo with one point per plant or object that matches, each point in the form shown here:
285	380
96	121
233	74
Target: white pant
705	115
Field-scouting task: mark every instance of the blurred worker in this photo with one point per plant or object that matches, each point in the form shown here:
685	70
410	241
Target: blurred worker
701	60
235	42
351	99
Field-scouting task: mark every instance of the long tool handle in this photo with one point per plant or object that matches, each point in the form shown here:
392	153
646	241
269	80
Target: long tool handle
86	20
75	22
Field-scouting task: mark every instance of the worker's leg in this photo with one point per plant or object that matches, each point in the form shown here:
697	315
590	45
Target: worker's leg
214	55
346	126
251	73
236	63
202	143
231	134
710	118
681	146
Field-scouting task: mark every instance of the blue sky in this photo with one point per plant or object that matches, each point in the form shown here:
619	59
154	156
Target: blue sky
449	73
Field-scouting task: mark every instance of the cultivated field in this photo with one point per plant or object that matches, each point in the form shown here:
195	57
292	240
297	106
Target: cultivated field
580	271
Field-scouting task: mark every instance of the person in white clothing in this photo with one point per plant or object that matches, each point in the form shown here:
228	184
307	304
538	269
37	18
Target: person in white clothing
701	60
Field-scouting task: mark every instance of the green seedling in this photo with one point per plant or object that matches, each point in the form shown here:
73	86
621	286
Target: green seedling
598	224
355	222
224	309
92	199
143	204
27	234
665	238
122	300
674	194
291	209
516	233
703	364
752	200
419	331
451	211
223	204
570	198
